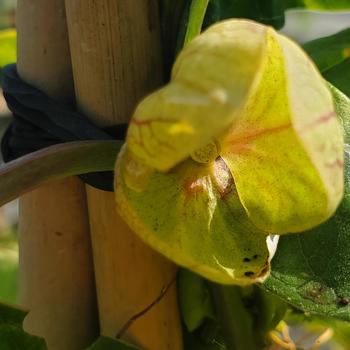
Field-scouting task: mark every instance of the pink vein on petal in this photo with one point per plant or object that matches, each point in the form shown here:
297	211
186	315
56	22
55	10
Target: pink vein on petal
321	120
240	142
150	121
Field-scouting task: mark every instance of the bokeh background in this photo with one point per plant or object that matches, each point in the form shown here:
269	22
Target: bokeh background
8	213
300	24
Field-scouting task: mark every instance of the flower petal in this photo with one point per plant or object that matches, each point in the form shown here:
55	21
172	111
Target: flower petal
193	216
286	150
210	82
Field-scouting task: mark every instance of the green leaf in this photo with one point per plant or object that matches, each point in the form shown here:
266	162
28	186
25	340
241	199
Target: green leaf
293	3
236	321
105	343
267	12
329	51
339	76
171	17
7	47
56	162
312	271
195	299
12	335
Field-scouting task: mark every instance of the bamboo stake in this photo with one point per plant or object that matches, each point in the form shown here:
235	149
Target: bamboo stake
115	50
56	270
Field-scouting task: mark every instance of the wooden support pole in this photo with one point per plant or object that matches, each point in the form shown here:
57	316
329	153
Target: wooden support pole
115	46
56	270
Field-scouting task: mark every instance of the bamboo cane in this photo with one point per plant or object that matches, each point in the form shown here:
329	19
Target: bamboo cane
115	50
56	270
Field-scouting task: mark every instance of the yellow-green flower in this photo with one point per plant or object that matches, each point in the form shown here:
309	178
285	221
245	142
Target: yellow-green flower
242	143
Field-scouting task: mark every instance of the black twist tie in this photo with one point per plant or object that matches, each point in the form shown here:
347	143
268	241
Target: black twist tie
40	121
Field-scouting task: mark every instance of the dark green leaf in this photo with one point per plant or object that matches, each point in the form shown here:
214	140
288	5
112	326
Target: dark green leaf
194	342
293	3
339	76
105	343
268	11
329	51
12	335
237	323
312	270
11	315
171	13
194	298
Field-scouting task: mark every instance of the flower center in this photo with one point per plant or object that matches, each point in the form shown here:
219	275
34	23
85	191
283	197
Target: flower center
206	154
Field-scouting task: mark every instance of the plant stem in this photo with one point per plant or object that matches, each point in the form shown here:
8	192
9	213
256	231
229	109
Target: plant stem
196	17
236	322
55	163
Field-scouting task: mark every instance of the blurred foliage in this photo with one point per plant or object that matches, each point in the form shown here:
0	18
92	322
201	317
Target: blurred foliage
268	12
7	11
7	47
318	4
12	335
8	267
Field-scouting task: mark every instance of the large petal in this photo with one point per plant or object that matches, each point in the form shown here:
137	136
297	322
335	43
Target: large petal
193	216
286	150
210	82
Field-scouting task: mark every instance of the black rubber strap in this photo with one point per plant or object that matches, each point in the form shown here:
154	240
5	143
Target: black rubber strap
40	121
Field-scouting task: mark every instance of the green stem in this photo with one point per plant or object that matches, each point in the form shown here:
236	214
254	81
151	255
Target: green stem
195	21
53	163
236	322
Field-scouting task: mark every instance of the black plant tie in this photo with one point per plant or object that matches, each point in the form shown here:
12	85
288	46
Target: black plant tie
40	121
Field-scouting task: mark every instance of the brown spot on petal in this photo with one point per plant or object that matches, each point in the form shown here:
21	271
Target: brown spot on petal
192	187
249	273
223	177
